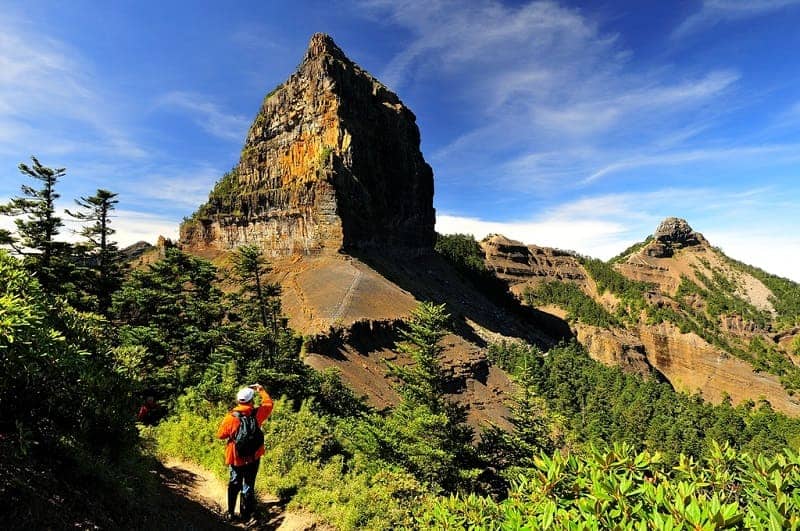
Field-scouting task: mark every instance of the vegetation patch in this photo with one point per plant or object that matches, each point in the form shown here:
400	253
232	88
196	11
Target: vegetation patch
636	247
579	306
629	292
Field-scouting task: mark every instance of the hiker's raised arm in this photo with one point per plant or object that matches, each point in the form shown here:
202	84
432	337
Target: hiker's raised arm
265	409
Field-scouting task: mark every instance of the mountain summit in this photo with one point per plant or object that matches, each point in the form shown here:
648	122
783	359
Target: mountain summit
673	234
331	162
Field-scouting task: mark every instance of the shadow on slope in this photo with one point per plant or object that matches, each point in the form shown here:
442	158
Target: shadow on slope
48	489
429	277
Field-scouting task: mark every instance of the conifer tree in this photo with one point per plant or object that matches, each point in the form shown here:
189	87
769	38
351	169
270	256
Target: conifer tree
532	428
427	431
38	225
259	298
103	254
251	268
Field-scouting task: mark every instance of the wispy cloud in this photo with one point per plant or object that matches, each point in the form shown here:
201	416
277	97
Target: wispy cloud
734	154
715	11
48	93
184	187
207	115
544	82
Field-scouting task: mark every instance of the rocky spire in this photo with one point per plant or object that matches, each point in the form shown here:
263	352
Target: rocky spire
331	162
322	44
672	234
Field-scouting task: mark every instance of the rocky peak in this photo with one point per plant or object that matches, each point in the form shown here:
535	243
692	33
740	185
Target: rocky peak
672	234
332	162
676	230
321	44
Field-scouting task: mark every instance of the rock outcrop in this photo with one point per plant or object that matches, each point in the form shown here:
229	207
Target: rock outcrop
525	266
331	162
673	234
692	365
615	346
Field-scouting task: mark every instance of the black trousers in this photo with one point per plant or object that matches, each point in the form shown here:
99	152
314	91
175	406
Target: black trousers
243	479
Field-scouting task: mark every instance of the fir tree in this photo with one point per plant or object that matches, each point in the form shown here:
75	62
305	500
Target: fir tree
532	433
37	226
103	254
427	431
252	269
259	298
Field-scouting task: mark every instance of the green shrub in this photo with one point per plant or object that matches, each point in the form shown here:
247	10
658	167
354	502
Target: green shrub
53	357
305	462
617	488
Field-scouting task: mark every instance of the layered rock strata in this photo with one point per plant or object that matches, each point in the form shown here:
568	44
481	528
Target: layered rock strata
332	162
525	266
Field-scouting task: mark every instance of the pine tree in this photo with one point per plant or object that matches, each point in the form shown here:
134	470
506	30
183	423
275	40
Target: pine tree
37	225
103	254
258	297
427	431
532	433
251	268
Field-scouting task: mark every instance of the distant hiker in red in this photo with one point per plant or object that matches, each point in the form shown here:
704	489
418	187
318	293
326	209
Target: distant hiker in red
242	429
149	412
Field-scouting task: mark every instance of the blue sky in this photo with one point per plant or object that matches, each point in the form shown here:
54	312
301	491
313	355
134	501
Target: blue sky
571	124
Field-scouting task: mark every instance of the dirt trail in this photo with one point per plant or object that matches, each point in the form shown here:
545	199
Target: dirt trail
344	305
202	496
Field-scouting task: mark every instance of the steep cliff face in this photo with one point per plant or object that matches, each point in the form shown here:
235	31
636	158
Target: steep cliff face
692	365
331	162
332	186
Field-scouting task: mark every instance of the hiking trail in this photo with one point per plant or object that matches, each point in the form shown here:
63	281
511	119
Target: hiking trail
201	499
344	305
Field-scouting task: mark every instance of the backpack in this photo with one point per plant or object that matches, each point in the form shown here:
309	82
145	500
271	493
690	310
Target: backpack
249	437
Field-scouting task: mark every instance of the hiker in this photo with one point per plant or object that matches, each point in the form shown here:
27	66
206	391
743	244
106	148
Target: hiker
242	429
150	412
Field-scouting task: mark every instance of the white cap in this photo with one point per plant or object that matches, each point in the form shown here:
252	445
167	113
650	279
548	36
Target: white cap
245	395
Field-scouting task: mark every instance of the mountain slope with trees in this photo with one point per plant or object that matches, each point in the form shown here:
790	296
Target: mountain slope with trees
673	306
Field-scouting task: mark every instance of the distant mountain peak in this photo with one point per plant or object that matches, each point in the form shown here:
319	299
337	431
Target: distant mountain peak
672	234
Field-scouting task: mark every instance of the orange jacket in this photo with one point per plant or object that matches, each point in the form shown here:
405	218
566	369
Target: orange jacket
230	424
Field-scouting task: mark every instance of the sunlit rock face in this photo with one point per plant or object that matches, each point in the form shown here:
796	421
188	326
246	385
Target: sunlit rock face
332	162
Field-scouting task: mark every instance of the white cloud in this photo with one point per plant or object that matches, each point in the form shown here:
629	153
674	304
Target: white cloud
775	252
208	115
593	237
131	226
714	11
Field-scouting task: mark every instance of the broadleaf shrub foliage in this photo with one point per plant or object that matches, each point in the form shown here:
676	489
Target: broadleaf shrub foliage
617	488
